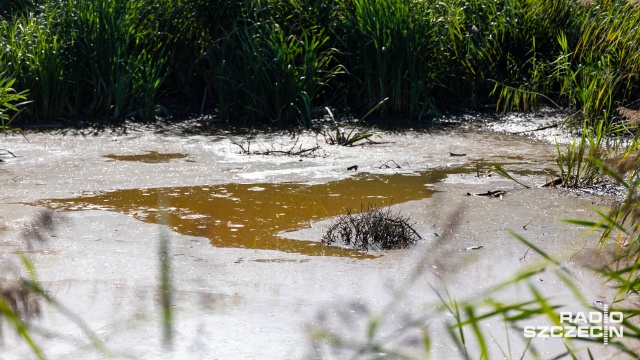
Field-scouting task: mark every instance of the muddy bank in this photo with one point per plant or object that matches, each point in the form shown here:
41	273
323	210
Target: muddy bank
255	302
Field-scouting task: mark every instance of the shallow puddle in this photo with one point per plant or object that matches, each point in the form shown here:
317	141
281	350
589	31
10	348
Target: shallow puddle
251	215
152	157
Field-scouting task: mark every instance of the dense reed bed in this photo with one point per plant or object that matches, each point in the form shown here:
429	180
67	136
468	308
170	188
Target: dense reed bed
283	61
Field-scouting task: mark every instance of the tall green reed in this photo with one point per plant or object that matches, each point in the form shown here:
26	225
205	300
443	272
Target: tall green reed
575	168
122	61
104	58
116	59
13	8
588	61
389	54
466	47
34	55
259	70
525	48
10	102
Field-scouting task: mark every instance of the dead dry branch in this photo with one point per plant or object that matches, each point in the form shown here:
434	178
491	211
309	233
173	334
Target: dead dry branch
20	299
387	166
291	149
372	228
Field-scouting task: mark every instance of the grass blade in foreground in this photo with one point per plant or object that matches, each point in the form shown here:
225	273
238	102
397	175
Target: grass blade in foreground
20	327
500	170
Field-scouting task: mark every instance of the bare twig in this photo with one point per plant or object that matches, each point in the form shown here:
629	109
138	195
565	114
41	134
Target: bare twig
491	193
525	254
553	182
293	149
538	129
527	224
386	166
9	152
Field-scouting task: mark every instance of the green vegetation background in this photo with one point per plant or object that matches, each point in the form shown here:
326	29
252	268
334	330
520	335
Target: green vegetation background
281	61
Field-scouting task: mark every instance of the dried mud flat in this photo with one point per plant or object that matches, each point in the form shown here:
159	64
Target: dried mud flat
242	300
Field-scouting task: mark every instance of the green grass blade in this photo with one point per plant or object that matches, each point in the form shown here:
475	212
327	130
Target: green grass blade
20	328
533	247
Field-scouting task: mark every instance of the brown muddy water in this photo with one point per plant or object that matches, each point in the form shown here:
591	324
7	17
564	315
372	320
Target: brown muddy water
251	215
